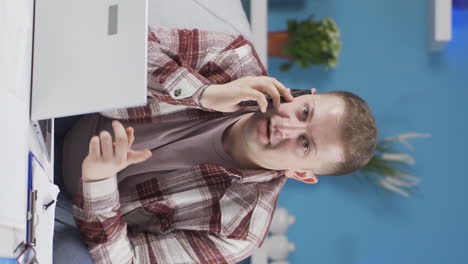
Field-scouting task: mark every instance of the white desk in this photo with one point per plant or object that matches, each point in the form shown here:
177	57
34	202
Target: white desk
16	21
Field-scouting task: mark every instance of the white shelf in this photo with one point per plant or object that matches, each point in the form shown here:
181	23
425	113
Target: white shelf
441	24
259	28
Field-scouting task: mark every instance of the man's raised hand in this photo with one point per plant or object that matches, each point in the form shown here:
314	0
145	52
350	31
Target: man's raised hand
105	158
226	97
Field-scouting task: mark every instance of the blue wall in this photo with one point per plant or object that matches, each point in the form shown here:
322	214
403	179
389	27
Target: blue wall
385	60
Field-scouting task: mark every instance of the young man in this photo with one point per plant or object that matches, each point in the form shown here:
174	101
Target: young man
200	180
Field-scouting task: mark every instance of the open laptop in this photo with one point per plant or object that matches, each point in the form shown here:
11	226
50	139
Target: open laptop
88	56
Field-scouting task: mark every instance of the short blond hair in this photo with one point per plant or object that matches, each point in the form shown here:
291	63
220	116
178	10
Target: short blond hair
358	134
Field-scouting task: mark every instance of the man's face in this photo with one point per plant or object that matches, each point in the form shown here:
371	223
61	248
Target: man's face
300	135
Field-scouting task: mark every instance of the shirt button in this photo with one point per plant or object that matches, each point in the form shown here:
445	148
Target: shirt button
177	92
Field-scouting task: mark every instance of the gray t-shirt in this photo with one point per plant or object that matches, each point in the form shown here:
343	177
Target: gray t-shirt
174	145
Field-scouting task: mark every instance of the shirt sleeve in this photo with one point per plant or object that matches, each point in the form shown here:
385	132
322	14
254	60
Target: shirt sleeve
174	58
97	214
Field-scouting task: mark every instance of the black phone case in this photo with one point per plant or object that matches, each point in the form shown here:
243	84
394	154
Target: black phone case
294	93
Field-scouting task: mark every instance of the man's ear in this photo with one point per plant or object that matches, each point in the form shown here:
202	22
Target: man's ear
302	175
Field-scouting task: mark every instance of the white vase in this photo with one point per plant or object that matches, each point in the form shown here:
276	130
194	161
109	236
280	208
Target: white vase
278	247
281	221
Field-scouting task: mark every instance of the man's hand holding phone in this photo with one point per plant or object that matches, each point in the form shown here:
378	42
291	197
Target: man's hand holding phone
226	97
106	158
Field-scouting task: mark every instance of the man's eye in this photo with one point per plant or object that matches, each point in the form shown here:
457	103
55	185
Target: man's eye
305	146
305	112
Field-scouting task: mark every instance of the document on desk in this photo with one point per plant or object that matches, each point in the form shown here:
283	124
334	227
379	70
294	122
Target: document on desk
45	209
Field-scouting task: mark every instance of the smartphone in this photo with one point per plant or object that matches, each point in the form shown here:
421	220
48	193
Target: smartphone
294	93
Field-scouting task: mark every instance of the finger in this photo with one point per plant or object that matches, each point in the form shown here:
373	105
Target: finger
234	108
250	108
285	92
134	157
269	85
106	145
121	141
94	147
275	95
260	98
273	92
131	136
265	84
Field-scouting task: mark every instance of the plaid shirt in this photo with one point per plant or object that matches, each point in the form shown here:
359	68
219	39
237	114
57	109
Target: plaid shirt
205	214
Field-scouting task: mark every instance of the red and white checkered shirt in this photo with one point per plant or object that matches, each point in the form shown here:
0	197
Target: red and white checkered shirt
205	214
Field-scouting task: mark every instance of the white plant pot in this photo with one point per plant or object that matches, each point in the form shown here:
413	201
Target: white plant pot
278	247
281	221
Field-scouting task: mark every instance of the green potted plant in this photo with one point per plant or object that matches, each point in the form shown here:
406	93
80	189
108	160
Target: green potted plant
306	42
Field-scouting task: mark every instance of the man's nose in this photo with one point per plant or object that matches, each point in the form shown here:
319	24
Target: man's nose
290	128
